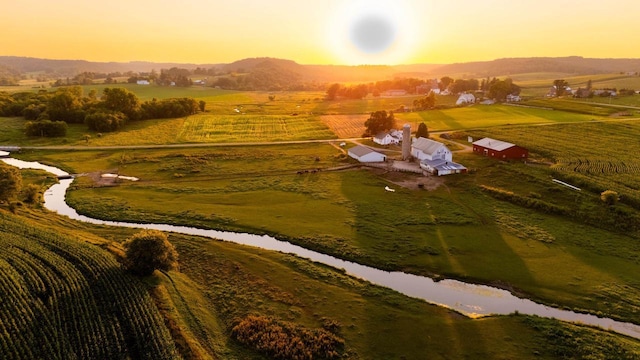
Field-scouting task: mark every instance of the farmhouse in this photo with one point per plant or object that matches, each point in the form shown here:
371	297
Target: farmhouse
440	167
499	149
466	99
385	138
365	154
142	82
513	98
427	149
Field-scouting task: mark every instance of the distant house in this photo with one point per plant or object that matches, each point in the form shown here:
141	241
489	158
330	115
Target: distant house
499	149
397	134
4	154
142	82
427	87
365	154
513	98
385	138
440	167
466	99
395	92
427	149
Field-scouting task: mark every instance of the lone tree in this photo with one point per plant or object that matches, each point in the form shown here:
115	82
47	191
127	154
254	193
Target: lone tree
422	131
149	250
609	197
10	182
379	121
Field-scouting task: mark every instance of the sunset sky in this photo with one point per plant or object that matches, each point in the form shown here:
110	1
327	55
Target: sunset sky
318	31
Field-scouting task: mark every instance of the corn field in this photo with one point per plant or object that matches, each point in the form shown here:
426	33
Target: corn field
64	299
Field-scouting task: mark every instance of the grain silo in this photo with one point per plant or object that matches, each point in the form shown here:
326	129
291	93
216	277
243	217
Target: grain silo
406	141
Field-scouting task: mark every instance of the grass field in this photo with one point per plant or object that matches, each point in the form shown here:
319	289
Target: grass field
219	283
348	214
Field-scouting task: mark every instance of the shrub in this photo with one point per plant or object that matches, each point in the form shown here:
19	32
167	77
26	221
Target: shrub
285	340
46	128
609	197
105	121
149	250
32	194
10	182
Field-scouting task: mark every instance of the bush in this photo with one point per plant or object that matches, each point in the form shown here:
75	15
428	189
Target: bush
149	250
46	128
285	340
32	194
105	121
609	197
10	182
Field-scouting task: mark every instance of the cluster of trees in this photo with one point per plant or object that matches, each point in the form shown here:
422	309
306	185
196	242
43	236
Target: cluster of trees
379	121
110	112
427	102
11	186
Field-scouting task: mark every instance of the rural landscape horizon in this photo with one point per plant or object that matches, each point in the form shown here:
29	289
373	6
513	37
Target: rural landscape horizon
341	179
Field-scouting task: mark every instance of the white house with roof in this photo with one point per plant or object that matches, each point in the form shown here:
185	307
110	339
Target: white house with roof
427	149
142	82
466	99
365	154
385	138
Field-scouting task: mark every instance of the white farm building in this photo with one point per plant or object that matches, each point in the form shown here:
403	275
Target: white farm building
427	149
385	138
365	154
466	99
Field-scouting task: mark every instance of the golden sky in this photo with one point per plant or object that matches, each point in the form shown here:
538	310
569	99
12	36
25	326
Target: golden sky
318	31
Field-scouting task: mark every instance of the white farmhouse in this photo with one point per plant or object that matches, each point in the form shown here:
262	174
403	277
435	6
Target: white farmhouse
142	82
397	134
466	99
385	138
365	154
427	149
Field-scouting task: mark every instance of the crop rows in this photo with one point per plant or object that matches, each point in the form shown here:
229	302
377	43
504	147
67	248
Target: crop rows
598	166
63	299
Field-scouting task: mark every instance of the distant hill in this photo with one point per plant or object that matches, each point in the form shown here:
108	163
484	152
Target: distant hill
509	66
338	73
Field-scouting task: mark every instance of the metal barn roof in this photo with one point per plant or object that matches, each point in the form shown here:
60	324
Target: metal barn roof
494	144
427	146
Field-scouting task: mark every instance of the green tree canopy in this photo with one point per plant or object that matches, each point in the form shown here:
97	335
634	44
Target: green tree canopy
422	131
10	182
149	250
121	100
379	121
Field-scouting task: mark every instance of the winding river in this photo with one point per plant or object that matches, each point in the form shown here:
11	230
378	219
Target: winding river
469	299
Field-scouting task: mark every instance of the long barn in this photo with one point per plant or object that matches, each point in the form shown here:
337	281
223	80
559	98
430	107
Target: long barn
499	149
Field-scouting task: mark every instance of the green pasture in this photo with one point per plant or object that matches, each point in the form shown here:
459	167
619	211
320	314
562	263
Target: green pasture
479	116
456	231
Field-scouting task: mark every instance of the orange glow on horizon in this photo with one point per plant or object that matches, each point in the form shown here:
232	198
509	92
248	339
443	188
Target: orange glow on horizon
315	31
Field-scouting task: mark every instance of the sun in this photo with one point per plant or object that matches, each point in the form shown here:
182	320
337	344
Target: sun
372	32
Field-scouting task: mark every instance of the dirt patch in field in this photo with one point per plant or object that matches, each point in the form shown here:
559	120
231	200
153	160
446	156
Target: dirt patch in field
410	181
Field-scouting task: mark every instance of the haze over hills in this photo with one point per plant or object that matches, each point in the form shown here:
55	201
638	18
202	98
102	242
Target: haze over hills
337	73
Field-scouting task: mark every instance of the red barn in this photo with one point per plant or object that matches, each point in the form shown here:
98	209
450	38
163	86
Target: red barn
499	149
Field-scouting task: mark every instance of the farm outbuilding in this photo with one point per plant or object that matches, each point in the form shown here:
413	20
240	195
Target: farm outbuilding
365	154
4	154
442	167
499	149
385	138
427	149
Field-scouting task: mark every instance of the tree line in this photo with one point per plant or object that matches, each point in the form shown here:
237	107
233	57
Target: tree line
494	88
49	112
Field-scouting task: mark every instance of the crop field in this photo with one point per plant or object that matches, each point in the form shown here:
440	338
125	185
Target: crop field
62	298
251	128
606	157
477	116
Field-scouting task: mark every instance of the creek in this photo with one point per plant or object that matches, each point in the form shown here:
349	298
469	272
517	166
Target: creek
469	299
